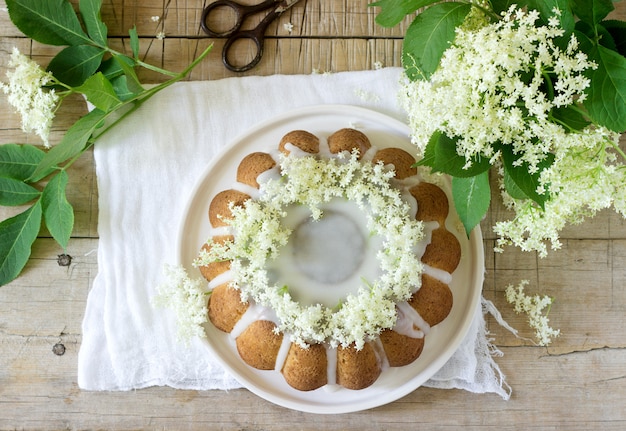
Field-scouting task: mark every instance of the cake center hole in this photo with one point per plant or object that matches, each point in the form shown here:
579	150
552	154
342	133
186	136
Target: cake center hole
328	250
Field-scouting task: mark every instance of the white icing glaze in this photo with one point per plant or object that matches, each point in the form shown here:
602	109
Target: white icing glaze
253	192
409	322
283	351
221	231
331	365
222	278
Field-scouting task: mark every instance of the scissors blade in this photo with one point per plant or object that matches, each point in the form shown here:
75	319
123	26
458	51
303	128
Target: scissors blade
284	5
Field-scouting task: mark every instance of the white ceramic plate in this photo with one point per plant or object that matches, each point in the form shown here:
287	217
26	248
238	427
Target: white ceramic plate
394	383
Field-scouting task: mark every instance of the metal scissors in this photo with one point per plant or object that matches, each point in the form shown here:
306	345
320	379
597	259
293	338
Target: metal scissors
257	34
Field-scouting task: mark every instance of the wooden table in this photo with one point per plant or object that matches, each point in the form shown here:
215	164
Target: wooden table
578	383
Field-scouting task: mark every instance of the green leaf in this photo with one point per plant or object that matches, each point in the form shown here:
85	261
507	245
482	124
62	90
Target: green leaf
90	11
394	11
606	96
546	8
522	178
429	35
75	64
441	156
17	235
100	92
500	6
471	198
57	211
15	192
134	41
72	144
51	22
591	11
597	32
617	29
120	86
512	189
570	117
19	161
131	77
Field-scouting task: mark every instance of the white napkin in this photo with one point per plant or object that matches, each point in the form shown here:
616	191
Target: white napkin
146	168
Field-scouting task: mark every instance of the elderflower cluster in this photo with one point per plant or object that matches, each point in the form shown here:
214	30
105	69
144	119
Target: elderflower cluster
186	297
312	182
480	91
584	179
28	95
533	306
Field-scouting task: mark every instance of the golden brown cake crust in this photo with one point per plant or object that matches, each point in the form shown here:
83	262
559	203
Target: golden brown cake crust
252	166
357	369
432	202
258	345
219	209
305	141
348	140
444	251
213	269
401	160
306	369
225	307
433	301
400	349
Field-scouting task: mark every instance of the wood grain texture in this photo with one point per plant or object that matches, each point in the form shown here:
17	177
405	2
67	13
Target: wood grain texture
578	383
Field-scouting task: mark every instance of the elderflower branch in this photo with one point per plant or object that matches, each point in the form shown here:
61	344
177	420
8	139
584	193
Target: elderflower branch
533	307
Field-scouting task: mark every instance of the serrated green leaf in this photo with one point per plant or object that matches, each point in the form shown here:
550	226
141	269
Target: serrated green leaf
51	22
15	192
597	32
441	156
134	42
617	29
394	11
471	197
75	64
511	188
72	143
120	86
100	92
546	8
17	235
132	81
428	36
606	96
57	211
19	161
500	6
90	11
528	183
570	117
591	11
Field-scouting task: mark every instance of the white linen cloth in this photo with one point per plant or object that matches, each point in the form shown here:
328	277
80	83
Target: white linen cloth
146	167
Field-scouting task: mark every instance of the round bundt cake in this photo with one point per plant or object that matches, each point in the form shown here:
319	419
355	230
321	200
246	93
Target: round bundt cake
329	259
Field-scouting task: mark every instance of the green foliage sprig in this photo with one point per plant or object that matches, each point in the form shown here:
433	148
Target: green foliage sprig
88	66
601	109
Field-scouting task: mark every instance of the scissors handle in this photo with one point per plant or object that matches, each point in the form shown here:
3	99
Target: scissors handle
256	35
241	12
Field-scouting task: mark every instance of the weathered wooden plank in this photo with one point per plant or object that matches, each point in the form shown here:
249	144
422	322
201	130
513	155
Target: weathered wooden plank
39	392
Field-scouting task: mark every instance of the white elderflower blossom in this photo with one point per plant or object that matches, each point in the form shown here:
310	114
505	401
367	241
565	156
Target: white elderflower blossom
533	306
477	91
28	95
188	300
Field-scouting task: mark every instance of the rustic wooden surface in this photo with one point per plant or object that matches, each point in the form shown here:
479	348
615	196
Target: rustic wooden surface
578	383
